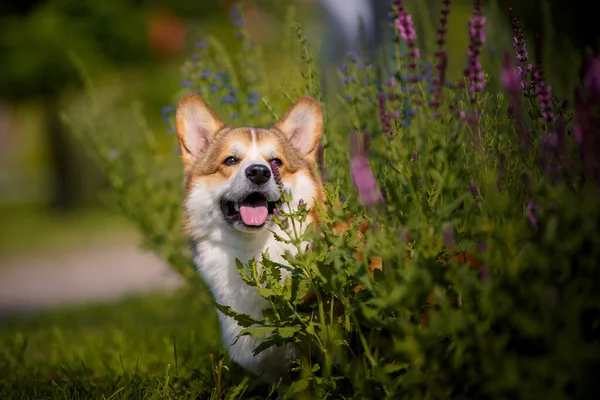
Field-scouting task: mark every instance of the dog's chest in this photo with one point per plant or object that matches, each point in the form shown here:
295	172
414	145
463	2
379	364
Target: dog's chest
216	263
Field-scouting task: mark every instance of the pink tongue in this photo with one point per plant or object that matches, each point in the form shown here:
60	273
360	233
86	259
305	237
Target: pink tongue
254	215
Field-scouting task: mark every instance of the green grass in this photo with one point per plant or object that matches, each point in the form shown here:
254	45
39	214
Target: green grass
153	346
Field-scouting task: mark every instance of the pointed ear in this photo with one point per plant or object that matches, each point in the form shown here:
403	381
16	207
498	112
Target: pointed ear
302	124
196	124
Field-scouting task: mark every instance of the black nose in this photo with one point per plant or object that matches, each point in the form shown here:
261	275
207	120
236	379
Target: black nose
258	173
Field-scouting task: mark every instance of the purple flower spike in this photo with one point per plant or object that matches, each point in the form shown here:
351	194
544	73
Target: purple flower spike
362	175
474	190
474	70
406	30
276	173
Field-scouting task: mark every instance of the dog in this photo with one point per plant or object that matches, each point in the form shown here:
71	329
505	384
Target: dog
230	197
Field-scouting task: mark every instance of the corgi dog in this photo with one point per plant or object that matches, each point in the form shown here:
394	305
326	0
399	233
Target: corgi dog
230	195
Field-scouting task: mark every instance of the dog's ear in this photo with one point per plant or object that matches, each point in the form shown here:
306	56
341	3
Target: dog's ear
196	124
302	124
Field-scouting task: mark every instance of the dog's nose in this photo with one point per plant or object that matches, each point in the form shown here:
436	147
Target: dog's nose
258	173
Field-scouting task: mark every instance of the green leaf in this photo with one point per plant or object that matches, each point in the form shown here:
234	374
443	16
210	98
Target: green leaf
258	331
297	387
287	331
242	319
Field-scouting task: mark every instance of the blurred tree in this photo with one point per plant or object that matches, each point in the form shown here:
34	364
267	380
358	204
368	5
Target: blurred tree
39	34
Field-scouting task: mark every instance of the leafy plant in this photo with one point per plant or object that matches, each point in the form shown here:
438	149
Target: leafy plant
480	205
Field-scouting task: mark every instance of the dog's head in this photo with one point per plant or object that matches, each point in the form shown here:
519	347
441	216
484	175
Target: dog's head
229	181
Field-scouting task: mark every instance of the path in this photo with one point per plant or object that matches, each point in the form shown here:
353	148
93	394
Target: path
105	270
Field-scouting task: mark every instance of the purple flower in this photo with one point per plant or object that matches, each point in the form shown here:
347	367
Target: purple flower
384	116
474	70
406	31
474	190
276	173
542	89
530	215
519	39
511	79
360	170
592	77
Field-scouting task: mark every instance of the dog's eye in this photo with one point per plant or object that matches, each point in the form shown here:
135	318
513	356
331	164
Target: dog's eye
277	161
230	161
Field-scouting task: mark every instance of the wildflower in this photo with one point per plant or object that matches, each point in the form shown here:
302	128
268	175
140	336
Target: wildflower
187	83
301	202
253	99
234	115
360	170
474	190
519	39
511	79
195	57
167	110
415	156
474	70
206	74
276	174
213	88
384	116
542	90
530	215
592	77
200	44
406	30
393	82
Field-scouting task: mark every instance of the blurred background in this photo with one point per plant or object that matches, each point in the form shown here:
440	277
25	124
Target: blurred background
57	242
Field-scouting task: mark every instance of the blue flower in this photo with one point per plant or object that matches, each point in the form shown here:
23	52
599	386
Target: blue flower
343	68
228	100
213	88
200	44
233	90
255	112
187	83
167	109
206	74
253	99
195	56
234	115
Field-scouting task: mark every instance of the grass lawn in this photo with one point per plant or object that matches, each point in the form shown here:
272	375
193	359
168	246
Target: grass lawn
153	346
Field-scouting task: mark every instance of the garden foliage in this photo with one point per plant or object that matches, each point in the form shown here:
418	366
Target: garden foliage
489	163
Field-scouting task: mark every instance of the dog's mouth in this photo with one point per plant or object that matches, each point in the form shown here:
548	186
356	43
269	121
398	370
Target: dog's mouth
253	211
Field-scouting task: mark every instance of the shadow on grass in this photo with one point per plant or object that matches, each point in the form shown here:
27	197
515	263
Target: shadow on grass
159	345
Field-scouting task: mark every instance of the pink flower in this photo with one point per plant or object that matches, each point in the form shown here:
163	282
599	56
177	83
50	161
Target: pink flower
406	27
592	77
511	79
361	173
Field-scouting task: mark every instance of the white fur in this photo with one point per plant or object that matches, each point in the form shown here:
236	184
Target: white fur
218	245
